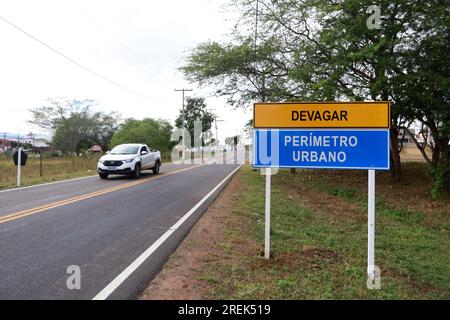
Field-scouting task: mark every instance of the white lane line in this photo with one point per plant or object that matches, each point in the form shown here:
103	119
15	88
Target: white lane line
47	184
113	285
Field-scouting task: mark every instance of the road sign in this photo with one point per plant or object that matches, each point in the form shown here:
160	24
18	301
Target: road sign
20	158
322	115
323	135
321	149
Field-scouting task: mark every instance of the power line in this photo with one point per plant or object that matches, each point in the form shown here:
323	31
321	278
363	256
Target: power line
77	63
142	64
215	121
114	37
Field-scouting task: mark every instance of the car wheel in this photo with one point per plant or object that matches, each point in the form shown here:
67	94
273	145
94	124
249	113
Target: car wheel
103	175
137	171
156	167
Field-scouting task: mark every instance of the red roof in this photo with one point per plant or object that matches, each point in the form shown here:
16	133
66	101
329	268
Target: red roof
5	143
96	148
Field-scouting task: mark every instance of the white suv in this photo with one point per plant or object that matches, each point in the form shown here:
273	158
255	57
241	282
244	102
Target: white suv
129	159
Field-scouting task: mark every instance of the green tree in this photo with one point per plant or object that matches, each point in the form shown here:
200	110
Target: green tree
232	141
73	124
426	85
105	126
239	73
155	133
400	62
195	109
322	50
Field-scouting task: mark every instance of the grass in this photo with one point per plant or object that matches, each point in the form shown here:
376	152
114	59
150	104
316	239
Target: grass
53	169
319	240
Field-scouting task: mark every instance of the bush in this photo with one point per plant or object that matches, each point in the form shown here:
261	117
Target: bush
440	176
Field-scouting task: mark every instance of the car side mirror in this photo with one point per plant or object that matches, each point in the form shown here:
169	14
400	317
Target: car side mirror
143	153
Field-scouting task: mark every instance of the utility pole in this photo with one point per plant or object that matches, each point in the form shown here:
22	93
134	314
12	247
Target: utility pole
216	145
217	132
183	118
215	123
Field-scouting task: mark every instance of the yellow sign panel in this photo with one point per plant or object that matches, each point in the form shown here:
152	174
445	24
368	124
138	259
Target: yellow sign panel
322	115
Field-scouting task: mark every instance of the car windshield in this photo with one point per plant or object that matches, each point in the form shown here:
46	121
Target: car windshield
124	149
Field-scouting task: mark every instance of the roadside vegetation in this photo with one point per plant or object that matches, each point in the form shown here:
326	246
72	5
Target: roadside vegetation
53	169
319	240
75	127
196	110
154	133
321	50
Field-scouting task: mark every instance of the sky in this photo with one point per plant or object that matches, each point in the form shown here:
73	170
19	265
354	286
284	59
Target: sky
137	44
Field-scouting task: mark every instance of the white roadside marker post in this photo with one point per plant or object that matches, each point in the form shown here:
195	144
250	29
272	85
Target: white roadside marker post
19	167
371	227
268	172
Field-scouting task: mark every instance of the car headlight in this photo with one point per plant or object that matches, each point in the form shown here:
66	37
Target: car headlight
101	161
128	160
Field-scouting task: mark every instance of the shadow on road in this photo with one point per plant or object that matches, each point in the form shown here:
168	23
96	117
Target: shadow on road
144	174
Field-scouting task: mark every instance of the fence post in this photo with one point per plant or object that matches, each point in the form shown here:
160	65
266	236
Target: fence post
19	165
40	163
268	172
371	226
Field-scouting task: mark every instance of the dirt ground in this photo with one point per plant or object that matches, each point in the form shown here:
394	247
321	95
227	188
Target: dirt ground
184	275
411	153
412	192
181	277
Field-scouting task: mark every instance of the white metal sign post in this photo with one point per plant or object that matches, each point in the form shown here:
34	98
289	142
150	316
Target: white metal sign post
324	135
371	227
19	167
268	172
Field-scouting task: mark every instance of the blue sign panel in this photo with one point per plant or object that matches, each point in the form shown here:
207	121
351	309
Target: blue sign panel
321	149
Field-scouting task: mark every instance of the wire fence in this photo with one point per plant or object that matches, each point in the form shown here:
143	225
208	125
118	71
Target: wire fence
50	167
46	168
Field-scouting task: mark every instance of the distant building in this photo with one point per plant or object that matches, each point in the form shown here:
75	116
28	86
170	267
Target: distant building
40	143
404	137
96	148
5	144
35	142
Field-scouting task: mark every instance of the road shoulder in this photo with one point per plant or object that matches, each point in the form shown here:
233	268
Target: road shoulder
318	244
182	277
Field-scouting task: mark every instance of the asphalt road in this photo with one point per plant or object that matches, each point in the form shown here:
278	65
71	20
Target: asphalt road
102	227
